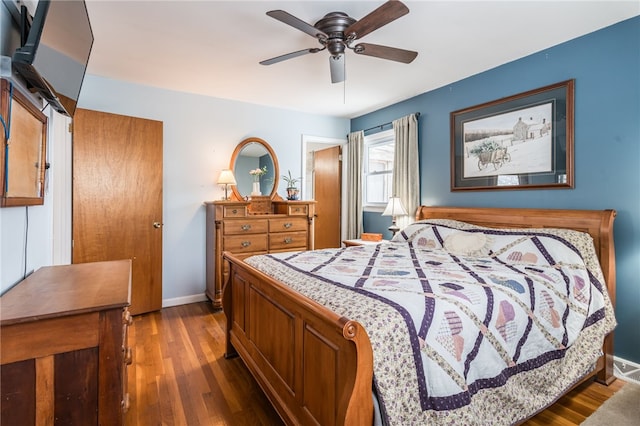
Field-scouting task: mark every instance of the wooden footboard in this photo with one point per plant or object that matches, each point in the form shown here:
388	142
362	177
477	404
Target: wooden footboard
315	366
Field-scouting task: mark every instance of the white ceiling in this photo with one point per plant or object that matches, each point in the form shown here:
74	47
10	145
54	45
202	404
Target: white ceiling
213	48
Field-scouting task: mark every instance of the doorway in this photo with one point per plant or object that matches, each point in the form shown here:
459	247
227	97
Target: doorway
322	182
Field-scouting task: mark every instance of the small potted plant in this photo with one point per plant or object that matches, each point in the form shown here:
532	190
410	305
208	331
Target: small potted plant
292	189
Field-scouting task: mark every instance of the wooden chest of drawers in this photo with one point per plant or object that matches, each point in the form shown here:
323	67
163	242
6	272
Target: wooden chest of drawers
231	227
64	351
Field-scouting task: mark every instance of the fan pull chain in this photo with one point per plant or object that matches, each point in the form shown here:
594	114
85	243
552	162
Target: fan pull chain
344	82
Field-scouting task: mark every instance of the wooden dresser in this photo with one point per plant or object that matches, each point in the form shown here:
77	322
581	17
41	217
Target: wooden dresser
288	226
64	346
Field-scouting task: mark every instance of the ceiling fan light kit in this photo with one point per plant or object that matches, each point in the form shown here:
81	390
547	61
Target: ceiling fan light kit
336	31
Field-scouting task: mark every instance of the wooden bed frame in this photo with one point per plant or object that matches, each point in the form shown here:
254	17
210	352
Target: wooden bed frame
315	366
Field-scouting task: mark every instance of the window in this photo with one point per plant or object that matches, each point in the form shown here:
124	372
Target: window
379	152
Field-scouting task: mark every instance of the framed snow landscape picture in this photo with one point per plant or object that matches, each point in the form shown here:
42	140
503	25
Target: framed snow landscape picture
523	141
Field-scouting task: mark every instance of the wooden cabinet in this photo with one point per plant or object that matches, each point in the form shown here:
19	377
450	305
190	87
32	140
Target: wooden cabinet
231	227
64	346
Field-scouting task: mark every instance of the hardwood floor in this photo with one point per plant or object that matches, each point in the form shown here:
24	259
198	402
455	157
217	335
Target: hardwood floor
179	377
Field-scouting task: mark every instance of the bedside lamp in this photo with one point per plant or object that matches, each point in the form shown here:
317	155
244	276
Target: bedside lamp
226	178
394	208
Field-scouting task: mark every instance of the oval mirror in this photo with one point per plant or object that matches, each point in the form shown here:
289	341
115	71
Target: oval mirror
255	168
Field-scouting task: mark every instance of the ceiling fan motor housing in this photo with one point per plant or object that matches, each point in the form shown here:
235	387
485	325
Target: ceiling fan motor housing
333	24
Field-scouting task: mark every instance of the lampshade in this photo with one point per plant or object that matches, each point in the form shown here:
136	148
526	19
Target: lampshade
226	178
394	208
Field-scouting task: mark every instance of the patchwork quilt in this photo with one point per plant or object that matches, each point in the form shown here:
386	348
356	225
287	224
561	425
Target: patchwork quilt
468	325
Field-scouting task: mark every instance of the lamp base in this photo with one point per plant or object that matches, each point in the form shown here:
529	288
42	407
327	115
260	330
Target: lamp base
394	229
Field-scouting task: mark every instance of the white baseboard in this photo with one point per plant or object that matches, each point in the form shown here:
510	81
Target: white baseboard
626	370
176	301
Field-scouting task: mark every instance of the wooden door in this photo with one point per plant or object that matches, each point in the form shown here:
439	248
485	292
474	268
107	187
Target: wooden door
117	198
327	184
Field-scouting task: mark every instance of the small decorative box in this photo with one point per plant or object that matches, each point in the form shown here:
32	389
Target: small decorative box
370	237
260	204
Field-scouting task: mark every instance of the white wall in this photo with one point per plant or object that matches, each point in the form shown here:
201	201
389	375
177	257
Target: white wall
16	237
43	237
200	134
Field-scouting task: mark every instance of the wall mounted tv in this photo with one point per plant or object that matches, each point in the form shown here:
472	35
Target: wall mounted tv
53	58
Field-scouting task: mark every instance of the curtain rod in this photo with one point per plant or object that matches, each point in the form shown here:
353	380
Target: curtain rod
380	126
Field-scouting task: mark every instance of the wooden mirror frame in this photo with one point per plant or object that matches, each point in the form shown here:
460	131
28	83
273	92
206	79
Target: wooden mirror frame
23	156
232	165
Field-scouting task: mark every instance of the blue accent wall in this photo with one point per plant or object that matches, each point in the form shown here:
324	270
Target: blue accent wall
606	67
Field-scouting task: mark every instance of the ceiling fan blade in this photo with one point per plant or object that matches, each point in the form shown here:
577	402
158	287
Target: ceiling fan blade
336	64
385	52
289	19
289	56
388	12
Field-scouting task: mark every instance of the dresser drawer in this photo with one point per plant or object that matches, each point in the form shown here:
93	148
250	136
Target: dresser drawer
245	243
232	227
298	209
234	211
288	224
286	241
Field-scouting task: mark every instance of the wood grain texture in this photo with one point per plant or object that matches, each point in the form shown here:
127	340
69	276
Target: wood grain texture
350	355
179	373
117	197
101	283
18	400
45	392
76	387
48	337
68	346
23	156
230	226
327	186
574	407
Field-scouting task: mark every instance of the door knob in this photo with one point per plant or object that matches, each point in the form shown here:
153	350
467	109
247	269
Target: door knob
157	225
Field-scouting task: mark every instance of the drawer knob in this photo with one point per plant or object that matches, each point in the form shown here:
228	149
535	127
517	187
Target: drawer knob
245	243
234	211
245	227
288	225
288	240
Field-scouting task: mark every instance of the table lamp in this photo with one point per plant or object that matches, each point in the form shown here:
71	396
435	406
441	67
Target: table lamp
226	178
394	208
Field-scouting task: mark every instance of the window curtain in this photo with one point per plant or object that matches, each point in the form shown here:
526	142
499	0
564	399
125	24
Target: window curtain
406	179
354	185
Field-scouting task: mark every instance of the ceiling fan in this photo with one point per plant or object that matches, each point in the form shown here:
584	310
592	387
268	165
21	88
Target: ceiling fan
337	31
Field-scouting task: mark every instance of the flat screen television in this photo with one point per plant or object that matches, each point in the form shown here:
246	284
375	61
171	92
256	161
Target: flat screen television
54	57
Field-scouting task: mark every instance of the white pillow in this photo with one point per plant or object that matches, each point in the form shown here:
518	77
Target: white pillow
467	243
